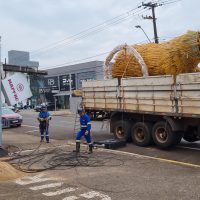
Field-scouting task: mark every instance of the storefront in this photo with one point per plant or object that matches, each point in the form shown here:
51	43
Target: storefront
63	80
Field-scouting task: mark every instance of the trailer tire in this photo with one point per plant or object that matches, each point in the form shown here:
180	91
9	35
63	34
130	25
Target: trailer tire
163	136
141	134
122	130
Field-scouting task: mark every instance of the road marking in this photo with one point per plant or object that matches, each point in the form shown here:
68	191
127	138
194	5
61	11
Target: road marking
32	131
92	194
40	178
192	148
30	126
154	158
71	198
66	190
51	185
35	179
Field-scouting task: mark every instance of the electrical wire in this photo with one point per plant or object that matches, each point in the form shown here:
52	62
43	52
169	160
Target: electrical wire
82	36
59	159
83	59
109	22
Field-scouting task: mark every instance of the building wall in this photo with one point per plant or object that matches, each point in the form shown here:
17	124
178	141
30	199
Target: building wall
21	58
59	77
84	71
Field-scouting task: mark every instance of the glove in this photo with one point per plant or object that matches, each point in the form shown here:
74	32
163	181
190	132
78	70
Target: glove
40	119
87	132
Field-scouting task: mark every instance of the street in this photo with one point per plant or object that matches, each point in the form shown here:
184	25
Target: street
53	171
62	128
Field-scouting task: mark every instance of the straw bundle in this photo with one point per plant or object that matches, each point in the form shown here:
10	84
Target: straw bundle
180	55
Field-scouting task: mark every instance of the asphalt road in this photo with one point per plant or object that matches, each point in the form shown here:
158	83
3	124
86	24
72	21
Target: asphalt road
129	173
62	128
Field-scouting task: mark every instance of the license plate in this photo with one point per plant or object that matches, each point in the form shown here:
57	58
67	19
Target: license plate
15	121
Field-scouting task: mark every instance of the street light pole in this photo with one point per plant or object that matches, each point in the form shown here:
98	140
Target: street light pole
138	26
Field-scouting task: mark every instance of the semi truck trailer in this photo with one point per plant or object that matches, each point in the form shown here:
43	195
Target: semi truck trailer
154	109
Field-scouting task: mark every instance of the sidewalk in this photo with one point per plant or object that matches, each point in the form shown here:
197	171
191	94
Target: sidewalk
13	142
14	145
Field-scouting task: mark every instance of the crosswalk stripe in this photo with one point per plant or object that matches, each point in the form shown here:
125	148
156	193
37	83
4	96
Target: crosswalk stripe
66	190
34	179
92	194
71	198
51	185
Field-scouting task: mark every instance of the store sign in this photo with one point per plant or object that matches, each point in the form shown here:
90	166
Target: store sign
65	82
16	88
51	82
44	90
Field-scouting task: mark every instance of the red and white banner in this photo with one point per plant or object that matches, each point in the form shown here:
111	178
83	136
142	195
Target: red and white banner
16	88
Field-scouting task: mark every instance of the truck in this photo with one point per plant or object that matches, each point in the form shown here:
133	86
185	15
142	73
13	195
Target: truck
154	109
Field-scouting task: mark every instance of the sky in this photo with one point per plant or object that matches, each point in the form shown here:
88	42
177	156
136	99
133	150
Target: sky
65	32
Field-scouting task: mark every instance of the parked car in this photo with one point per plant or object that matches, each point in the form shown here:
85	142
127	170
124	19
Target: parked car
10	118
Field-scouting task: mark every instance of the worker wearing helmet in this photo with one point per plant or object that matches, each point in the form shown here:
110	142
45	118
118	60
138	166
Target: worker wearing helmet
43	119
85	127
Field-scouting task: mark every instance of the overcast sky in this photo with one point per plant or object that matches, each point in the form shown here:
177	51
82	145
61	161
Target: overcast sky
49	29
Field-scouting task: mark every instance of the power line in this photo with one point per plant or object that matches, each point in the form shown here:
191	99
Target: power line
85	34
86	58
127	13
79	60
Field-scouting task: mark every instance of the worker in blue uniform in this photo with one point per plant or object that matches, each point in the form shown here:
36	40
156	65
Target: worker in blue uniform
85	128
43	119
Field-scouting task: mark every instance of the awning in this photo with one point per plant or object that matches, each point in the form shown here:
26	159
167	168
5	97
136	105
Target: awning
62	94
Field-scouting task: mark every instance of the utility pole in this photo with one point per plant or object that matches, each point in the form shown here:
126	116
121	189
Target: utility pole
152	6
1	69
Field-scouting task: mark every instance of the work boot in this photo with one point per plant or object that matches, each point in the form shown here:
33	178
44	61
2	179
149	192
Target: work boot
78	147
90	148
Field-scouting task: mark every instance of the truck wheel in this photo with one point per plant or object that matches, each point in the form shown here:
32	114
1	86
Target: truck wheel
141	134
122	130
162	134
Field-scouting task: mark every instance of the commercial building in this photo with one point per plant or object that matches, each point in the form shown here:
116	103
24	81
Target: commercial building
60	82
21	58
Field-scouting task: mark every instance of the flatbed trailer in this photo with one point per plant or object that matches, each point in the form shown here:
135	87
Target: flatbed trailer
153	109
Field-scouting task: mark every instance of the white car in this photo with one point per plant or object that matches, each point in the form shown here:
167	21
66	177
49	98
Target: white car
10	118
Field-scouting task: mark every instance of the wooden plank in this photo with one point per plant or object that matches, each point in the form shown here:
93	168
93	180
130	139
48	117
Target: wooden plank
188	78
151	80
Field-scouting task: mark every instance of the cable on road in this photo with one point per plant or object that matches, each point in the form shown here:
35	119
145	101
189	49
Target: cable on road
60	159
